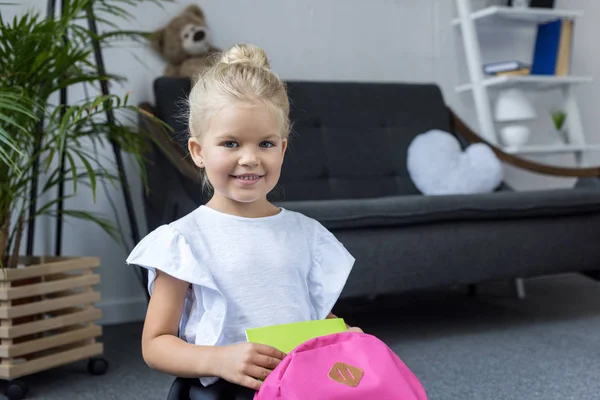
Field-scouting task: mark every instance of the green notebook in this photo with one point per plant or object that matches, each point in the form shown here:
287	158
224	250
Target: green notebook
286	337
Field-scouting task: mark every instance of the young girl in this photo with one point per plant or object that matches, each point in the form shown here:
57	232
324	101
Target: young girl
238	261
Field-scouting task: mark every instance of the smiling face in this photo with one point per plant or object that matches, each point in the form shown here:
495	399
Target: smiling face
242	152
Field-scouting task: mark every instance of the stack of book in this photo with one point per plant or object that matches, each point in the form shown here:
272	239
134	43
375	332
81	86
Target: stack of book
512	67
551	53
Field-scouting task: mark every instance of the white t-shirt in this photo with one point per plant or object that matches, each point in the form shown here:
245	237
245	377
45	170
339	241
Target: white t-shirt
246	272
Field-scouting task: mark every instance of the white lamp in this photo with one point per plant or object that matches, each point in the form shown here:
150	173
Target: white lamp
513	106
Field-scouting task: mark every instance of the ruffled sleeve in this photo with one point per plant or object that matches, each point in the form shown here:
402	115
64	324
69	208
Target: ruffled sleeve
167	250
329	273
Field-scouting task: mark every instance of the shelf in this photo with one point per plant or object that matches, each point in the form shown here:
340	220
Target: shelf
527	15
551	148
528	82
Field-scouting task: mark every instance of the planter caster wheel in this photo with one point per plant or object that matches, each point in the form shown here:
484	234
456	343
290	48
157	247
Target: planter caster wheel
97	366
16	390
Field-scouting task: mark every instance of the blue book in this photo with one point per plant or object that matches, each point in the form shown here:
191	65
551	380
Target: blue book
546	49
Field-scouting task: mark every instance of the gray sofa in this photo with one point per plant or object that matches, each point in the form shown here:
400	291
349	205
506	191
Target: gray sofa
346	167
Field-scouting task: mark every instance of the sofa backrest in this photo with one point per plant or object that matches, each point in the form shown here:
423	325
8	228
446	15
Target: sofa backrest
348	140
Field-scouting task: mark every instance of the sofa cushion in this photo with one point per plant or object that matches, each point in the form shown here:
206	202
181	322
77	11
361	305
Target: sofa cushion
349	139
417	209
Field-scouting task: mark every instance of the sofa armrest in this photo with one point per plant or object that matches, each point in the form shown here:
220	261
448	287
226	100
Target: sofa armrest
460	128
588	183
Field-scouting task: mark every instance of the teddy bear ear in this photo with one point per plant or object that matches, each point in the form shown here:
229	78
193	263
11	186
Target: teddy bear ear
194	9
157	40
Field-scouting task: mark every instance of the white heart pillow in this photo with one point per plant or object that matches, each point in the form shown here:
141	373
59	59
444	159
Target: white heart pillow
438	166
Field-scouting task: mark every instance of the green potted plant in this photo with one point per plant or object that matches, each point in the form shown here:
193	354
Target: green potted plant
558	119
43	145
40	138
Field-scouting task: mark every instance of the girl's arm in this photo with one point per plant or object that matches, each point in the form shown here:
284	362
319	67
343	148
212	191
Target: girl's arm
243	363
162	349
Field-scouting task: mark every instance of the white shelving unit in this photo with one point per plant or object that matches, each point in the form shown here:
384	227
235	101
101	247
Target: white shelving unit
521	15
552	149
530	82
479	84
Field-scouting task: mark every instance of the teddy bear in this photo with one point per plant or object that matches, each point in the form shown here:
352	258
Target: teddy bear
184	43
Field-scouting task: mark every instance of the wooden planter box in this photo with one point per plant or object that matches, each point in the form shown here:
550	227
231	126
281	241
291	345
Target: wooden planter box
47	314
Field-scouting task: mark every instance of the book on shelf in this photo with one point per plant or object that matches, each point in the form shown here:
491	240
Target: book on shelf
553	48
496	67
541	3
522	71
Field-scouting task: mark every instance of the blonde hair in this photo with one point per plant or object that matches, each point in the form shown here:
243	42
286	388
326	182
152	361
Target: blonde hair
240	75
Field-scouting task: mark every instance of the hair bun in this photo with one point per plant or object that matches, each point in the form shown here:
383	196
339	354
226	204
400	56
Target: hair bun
246	54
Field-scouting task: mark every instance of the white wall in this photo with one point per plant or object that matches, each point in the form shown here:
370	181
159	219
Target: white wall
385	40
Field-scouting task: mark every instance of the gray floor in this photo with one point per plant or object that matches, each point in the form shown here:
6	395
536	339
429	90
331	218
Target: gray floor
494	346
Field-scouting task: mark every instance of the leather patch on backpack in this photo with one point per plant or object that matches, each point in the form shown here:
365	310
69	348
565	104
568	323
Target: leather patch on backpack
346	374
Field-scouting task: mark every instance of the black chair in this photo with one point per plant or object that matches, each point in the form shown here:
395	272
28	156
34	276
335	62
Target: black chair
180	389
190	389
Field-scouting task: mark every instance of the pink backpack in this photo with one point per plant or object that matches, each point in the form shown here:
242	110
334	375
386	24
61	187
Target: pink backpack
348	366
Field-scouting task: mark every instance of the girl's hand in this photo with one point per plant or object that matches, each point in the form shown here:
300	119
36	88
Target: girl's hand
245	363
355	329
349	328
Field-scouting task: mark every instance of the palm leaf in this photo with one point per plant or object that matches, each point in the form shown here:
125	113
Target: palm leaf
40	56
105	224
14	107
